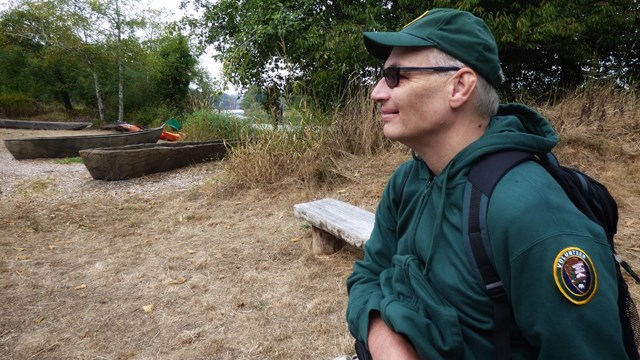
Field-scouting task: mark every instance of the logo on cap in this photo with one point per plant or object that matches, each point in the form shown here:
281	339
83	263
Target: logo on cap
575	275
416	19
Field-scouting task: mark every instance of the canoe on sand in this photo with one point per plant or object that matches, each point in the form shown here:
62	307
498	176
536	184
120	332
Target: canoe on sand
125	162
70	146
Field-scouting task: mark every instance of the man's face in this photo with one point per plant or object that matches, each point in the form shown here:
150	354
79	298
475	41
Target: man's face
416	109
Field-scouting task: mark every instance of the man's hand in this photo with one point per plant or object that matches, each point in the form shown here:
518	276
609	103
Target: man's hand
384	343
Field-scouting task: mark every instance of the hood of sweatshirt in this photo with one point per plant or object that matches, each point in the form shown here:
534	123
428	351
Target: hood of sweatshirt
515	127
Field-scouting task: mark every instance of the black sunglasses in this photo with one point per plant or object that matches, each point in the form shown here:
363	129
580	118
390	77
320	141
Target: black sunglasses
392	73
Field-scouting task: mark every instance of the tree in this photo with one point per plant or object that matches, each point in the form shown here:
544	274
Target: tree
313	47
176	70
60	47
281	45
121	22
557	44
38	28
64	29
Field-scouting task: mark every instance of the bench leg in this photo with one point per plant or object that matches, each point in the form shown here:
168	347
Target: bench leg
325	243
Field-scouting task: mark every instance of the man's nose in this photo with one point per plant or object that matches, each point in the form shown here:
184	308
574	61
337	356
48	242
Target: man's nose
380	91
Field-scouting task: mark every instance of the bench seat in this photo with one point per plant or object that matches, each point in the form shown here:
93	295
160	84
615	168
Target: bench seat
335	222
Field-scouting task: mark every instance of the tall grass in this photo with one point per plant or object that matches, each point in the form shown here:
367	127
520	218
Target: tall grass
300	155
600	106
308	152
209	124
356	127
600	120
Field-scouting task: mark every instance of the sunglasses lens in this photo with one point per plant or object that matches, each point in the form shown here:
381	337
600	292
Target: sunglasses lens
391	76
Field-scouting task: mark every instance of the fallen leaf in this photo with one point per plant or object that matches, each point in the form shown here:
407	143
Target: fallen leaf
295	239
80	287
51	247
19	249
178	281
191	251
148	308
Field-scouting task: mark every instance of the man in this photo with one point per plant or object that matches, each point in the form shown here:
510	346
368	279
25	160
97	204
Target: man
415	295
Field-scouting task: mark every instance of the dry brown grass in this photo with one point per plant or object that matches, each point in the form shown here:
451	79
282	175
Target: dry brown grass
311	153
226	267
357	128
272	157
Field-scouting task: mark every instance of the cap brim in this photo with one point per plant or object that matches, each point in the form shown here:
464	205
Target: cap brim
380	44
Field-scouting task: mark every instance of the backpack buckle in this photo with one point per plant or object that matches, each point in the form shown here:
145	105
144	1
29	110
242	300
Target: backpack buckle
496	291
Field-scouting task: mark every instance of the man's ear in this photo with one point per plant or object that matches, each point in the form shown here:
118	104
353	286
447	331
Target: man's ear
463	84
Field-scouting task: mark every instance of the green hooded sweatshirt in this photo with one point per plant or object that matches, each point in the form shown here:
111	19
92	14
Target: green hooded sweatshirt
418	274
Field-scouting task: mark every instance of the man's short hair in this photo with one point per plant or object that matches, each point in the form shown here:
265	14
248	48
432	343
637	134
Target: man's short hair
486	99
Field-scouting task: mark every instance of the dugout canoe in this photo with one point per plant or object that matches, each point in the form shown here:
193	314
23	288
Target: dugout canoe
126	162
42	125
70	146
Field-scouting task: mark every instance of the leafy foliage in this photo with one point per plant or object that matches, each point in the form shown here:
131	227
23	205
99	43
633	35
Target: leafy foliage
313	47
64	51
175	72
282	46
560	44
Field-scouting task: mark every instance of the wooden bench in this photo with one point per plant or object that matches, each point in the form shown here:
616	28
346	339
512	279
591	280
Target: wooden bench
335	222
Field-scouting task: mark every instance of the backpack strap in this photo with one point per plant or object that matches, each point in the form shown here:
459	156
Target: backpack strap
483	177
588	195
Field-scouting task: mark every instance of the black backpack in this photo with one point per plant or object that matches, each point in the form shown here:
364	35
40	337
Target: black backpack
588	195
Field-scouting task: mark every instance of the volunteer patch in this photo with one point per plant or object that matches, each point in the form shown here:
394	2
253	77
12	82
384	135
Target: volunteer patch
575	275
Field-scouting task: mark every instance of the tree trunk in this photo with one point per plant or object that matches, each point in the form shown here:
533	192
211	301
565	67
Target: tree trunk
61	90
96	83
66	99
120	90
120	63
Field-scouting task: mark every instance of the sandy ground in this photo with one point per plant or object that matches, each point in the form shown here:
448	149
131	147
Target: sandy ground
180	265
176	265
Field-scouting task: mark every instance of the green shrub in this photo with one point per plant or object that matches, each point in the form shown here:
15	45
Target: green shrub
18	105
150	116
54	115
209	125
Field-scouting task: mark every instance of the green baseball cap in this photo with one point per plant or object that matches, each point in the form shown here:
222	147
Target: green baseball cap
458	33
